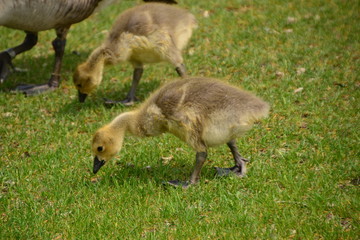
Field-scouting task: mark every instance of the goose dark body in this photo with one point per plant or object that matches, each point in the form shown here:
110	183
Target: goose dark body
40	15
33	16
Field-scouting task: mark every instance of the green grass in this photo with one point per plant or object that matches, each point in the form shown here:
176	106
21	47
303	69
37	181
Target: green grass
303	179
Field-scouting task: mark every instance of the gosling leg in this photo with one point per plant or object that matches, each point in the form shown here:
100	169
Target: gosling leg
240	163
181	70
6	57
131	98
175	58
54	81
195	176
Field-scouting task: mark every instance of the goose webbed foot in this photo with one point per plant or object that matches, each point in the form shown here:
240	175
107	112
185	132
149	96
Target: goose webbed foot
126	102
6	66
177	183
34	89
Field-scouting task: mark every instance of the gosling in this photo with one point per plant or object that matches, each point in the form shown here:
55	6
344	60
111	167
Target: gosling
149	33
203	112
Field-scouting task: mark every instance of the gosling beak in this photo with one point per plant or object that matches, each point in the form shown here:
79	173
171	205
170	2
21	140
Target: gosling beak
97	164
82	96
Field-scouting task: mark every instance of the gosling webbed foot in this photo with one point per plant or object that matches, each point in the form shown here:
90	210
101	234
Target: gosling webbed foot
126	102
222	172
34	89
178	183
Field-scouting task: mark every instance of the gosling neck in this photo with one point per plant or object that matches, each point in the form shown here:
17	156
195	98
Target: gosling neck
126	122
97	59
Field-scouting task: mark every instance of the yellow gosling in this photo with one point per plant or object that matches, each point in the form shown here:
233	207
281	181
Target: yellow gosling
200	111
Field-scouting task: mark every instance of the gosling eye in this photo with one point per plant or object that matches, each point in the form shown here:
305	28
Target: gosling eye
100	149
79	85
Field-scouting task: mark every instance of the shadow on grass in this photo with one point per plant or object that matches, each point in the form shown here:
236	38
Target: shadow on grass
145	87
37	70
96	99
159	174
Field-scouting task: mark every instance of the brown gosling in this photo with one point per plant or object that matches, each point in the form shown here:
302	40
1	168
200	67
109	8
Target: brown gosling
149	33
203	112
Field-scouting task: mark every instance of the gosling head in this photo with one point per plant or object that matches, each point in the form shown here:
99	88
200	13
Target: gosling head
85	81
105	146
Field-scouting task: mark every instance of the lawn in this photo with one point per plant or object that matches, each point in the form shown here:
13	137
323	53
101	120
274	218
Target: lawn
302	57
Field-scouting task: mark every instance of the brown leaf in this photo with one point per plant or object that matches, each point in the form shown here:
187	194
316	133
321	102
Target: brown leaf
58	237
300	71
7	114
291	20
95	179
206	14
298	89
167	159
279	74
346	223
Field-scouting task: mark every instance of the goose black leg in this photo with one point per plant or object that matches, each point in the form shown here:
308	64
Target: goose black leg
6	65
195	176
131	98
240	163
54	81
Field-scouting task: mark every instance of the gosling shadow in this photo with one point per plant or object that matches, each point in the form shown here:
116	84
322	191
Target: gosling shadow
96	100
145	88
130	174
